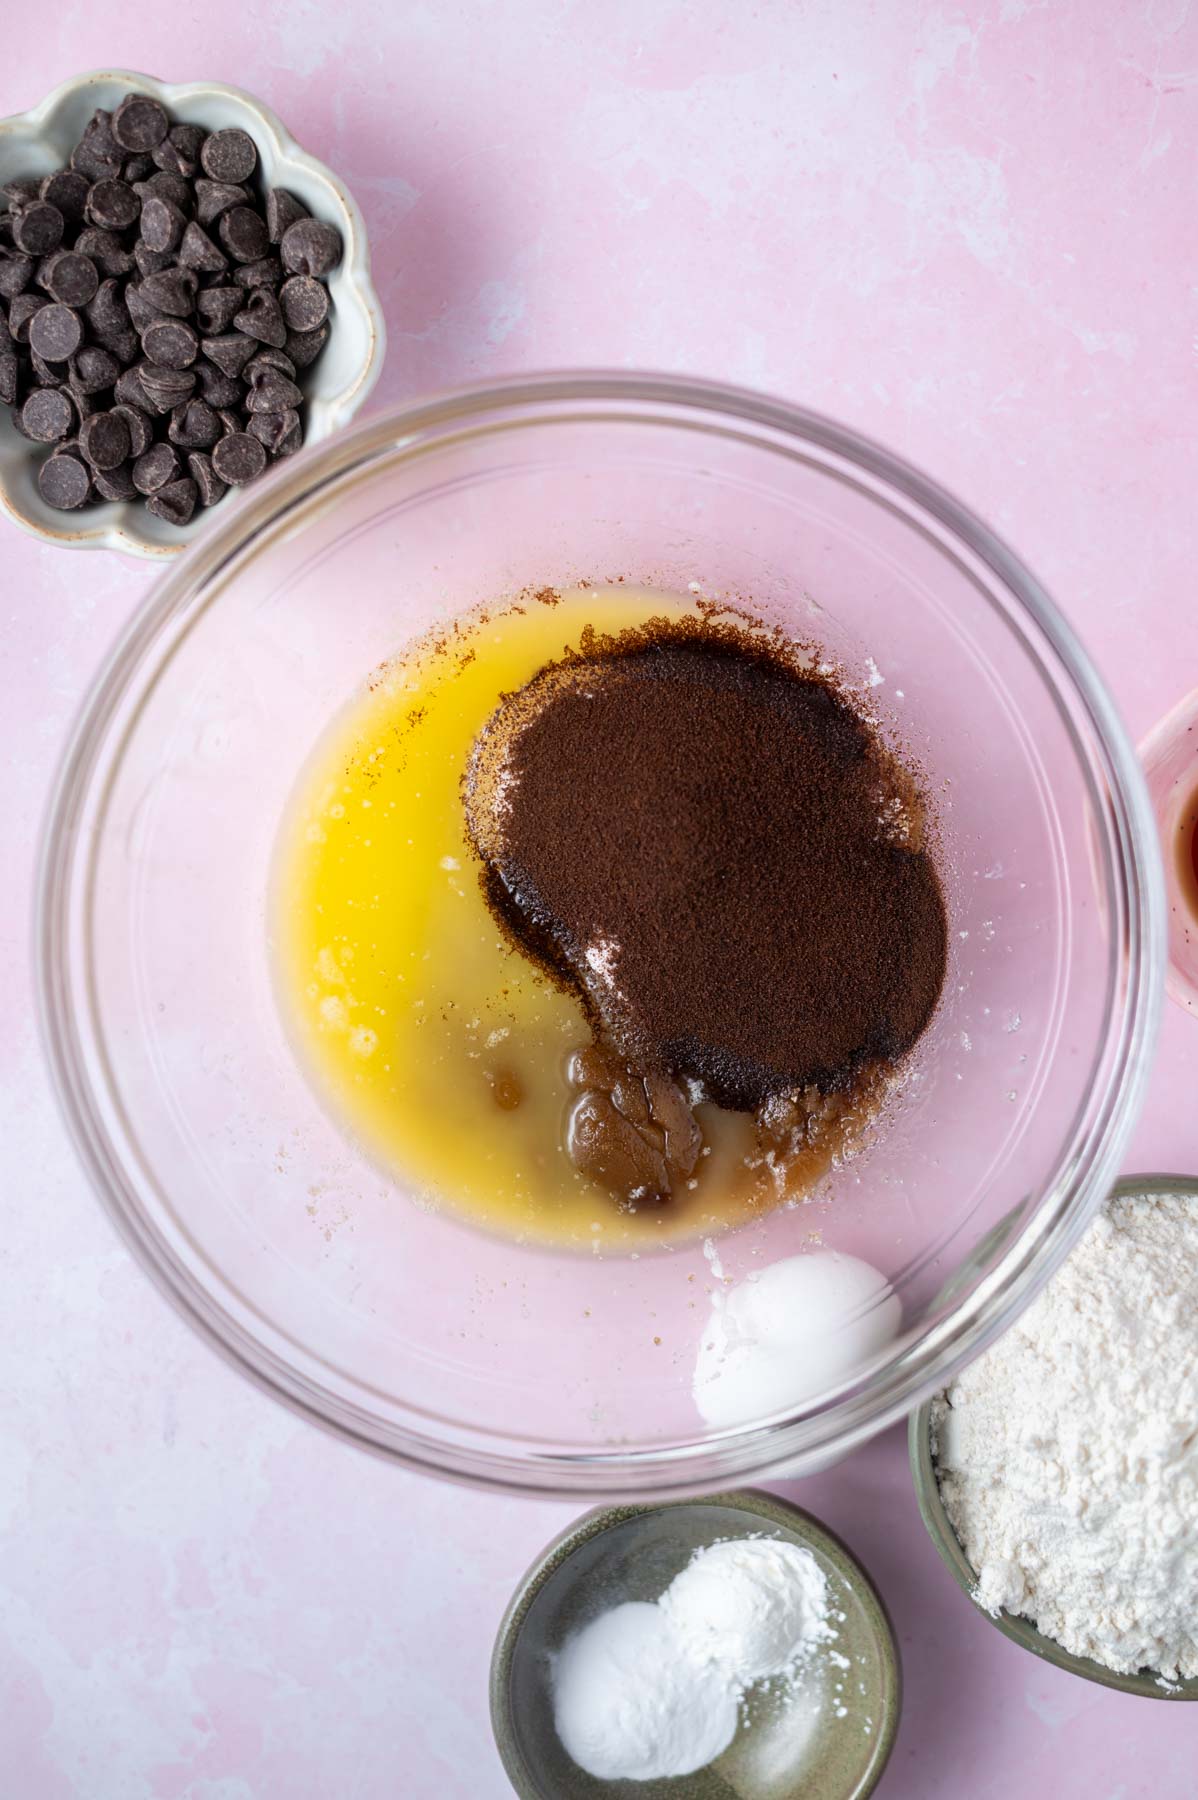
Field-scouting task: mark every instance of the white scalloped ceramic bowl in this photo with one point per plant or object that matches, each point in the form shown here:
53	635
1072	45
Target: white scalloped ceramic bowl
35	142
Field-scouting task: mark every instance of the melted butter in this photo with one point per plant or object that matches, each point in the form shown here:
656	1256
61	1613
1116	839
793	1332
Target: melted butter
438	1046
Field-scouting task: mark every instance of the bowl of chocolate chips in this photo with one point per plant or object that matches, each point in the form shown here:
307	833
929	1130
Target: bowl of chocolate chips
185	299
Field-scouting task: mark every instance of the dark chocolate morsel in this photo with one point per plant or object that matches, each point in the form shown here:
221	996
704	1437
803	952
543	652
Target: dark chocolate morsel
211	487
172	291
115	484
216	388
139	427
166	388
195	425
197	251
170	344
55	332
97	154
162	223
231	422
47	416
66	189
63	482
273	393
230	353
310	247
282	210
269	358
137	168
155	468
243	234
303	347
112	205
229	155
16	272
21	190
279	432
261	318
104	440
175	502
216	197
238	458
37	228
93	370
151	262
217	307
179	151
71	277
139	123
162	185
305	303
266	272
22	308
129	391
106	250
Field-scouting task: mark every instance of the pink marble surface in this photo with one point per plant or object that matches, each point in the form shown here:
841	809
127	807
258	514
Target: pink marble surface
967	229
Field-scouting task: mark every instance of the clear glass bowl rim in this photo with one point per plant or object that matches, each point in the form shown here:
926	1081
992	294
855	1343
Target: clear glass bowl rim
1125	845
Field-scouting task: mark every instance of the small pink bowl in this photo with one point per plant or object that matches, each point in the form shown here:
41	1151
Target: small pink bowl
1170	757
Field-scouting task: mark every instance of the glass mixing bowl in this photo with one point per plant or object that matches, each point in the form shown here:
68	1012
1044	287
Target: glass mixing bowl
404	1328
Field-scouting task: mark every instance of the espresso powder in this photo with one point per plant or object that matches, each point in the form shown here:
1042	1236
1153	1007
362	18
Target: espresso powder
704	840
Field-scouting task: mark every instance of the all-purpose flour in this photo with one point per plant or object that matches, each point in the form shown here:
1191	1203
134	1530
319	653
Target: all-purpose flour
1069	1452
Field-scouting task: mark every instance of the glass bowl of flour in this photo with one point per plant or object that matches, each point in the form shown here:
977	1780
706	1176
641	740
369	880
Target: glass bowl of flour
1058	1475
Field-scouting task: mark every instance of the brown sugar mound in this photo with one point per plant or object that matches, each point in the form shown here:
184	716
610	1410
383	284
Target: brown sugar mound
705	840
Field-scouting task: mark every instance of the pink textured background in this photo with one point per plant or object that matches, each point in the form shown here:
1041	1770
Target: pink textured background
970	230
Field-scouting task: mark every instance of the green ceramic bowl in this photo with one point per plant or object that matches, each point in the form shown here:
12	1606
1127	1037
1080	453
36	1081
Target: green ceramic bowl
1022	1631
633	1553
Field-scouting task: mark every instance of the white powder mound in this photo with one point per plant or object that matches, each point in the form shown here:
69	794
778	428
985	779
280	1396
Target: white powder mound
630	1705
789	1333
1069	1452
749	1606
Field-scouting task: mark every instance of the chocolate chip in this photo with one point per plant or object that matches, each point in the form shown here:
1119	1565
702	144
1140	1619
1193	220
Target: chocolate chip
139	427
217	389
303	347
231	422
305	303
47	416
261	318
195	425
115	484
243	233
197	251
282	210
172	291
269	358
266	272
97	154
162	223
104	440
217	307
47	374
137	168
67	190
211	487
106	250
238	458
212	198
38	227
71	278
179	152
231	353
310	247
165	388
273	393
151	262
107	311
21	190
170	344
152	471
63	482
112	205
93	370
55	332
279	432
130	392
16	272
9	374
229	155
162	185
22	309
139	123
142	312
175	502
